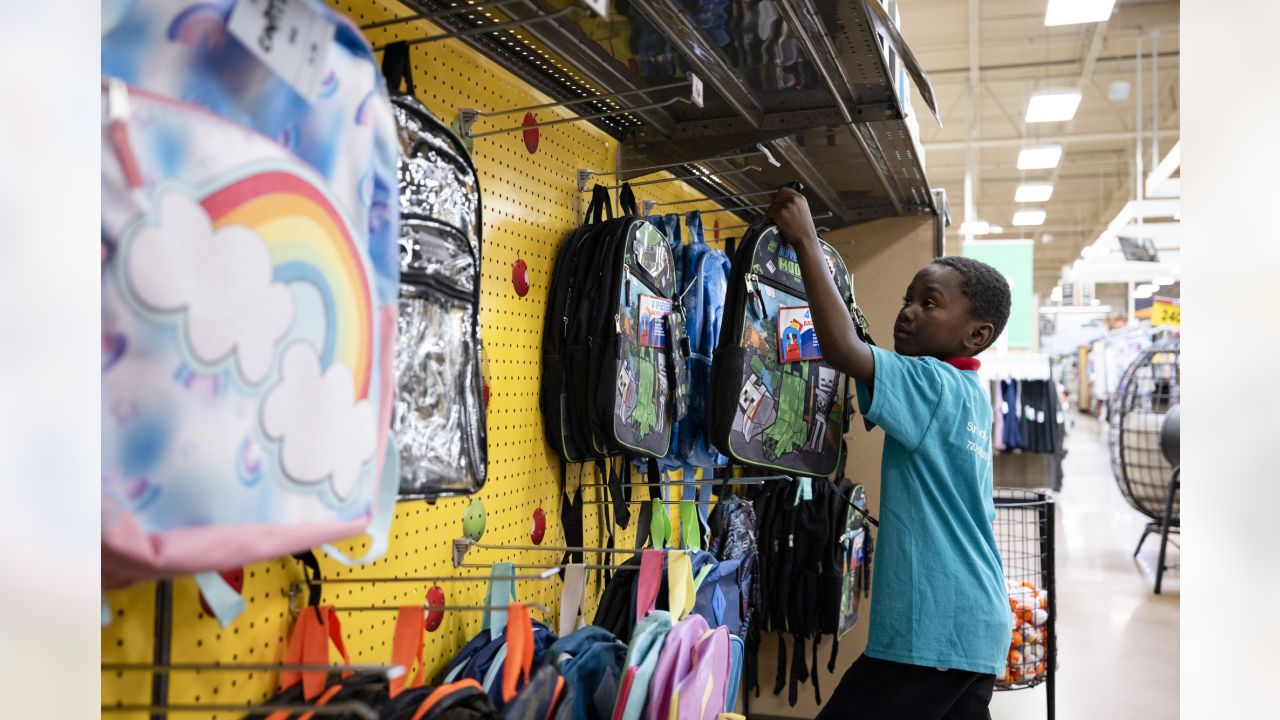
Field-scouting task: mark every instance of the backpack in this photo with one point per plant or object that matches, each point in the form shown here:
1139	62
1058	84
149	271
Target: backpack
777	404
539	699
249	297
704	283
461	700
642	659
592	661
627	331
439	417
553	395
733	537
700	694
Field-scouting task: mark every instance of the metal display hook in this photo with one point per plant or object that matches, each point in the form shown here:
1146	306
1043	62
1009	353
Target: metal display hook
585	175
734	196
467	117
429	607
685	178
436	15
760	480
340	709
576	101
462	545
819	216
546	575
470	32
390	671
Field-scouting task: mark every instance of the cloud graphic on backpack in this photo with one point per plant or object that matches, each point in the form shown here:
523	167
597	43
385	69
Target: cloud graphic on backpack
220	280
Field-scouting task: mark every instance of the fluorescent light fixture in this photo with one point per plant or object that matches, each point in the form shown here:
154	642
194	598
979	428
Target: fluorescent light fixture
1118	91
1074	12
1046	238
1023	218
1039	157
975	227
1033	192
1052	105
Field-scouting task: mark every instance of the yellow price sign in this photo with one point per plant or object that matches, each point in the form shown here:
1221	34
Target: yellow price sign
1166	313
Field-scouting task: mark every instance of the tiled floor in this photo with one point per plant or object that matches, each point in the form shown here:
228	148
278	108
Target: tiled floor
1118	642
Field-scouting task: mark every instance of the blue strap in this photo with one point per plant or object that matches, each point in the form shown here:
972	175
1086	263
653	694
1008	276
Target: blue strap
384	511
693	221
500	593
223	600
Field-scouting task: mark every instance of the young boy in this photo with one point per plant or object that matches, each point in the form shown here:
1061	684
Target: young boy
940	619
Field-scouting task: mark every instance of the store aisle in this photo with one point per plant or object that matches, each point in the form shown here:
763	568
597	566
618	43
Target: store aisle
1118	642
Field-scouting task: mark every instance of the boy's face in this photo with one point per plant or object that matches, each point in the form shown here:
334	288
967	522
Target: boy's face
935	319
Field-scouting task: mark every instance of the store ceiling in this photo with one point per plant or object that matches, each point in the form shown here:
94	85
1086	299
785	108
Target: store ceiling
1017	55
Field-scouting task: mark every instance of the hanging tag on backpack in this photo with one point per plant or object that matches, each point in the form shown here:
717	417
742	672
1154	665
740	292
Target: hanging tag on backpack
290	38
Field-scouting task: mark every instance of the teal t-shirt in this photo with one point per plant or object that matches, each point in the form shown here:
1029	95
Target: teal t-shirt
940	597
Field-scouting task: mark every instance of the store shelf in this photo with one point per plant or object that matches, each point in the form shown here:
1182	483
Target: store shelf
816	89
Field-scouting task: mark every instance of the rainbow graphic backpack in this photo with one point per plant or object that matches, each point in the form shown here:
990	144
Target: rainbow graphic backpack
250	230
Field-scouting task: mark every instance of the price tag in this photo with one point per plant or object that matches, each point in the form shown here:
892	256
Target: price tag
1165	313
288	36
695	84
600	7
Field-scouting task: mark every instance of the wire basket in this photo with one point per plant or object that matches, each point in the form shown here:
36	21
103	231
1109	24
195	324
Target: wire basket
1024	536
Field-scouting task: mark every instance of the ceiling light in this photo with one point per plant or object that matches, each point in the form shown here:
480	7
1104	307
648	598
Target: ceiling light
1028	217
1055	105
1118	91
1039	157
1164	281
1033	192
1074	12
975	227
1046	238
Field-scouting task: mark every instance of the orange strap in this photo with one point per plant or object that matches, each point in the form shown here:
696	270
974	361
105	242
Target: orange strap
406	647
519	658
309	645
441	693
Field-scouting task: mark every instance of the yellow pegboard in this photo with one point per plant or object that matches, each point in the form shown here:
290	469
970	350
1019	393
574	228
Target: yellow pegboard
531	203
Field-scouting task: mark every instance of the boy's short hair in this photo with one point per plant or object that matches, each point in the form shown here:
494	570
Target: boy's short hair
985	287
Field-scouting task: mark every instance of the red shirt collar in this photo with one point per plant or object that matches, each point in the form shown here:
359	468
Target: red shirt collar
964	363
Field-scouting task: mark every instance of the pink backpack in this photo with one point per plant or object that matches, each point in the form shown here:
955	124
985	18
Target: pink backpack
701	694
675	664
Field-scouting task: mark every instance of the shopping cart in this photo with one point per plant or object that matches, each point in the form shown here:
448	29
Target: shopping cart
1024	535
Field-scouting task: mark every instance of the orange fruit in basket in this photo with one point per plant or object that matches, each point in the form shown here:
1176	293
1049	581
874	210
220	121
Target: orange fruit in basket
1043	600
1017	638
1015	674
1015	657
1040	668
1030	587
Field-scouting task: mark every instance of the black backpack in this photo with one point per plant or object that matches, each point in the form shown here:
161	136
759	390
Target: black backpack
553	396
626	370
439	413
776	403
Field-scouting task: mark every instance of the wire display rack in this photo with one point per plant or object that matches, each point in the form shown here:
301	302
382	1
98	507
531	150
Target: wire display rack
1024	536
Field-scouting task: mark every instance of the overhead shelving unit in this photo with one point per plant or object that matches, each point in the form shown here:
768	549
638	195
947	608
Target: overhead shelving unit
809	80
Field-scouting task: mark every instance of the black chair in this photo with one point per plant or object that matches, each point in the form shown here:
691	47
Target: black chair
1169	447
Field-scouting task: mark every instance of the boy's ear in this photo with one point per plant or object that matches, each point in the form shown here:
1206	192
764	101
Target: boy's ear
980	336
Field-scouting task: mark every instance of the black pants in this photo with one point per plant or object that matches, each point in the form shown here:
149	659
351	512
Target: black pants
875	689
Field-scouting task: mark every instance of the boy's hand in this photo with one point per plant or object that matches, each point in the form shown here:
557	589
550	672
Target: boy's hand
790	211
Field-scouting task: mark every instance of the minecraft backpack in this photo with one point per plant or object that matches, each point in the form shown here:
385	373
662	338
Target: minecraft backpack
777	403
628	382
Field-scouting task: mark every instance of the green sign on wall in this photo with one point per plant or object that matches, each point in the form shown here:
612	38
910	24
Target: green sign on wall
1016	260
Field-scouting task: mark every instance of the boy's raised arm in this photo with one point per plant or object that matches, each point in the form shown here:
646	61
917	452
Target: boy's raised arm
841	346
